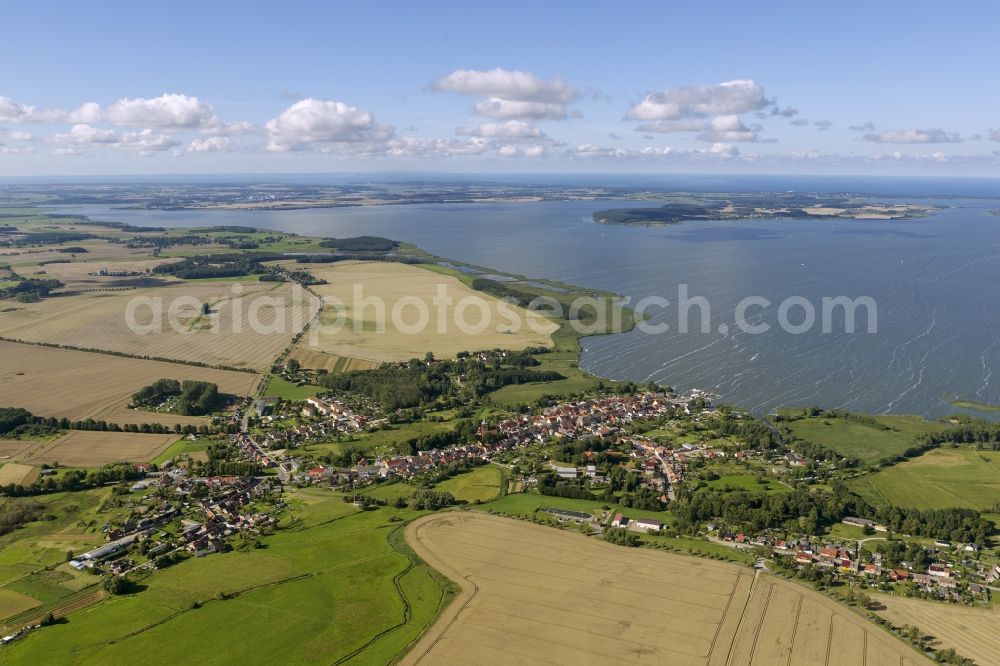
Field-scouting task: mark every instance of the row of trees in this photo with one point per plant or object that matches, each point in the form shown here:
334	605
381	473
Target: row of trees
220	265
75	480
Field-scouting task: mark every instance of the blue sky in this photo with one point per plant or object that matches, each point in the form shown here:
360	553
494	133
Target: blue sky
118	88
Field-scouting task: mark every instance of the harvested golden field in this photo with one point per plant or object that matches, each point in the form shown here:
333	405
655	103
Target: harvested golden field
23	260
77	275
11	449
390	314
86	448
248	326
534	594
79	385
17	474
317	360
972	632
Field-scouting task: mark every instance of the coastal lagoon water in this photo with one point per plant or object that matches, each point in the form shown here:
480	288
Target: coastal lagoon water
934	281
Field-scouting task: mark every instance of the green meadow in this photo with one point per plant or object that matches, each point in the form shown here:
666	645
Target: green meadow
938	479
334	584
481	484
857	438
279	387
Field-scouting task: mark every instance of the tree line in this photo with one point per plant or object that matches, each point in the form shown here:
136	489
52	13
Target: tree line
76	479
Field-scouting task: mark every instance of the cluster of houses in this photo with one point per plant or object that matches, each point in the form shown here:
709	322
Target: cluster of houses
328	417
406	467
940	579
222	516
598	417
206	522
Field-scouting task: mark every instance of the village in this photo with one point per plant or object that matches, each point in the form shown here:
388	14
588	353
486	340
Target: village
173	512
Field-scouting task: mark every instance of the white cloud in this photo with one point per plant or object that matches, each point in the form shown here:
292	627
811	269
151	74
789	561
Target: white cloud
14	112
496	107
729	128
511	129
89	113
727	98
233	129
532	150
724	149
211	144
415	147
168	111
868	126
82	134
506	84
589	150
20	136
18	112
145	142
680	125
511	94
933	135
323	124
713	110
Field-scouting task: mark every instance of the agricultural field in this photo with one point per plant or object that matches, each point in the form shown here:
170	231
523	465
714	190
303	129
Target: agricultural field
224	337
99	253
972	632
77	275
482	484
939	479
17	474
849	437
13	603
88	448
79	385
372	333
334	584
318	360
13	449
534	593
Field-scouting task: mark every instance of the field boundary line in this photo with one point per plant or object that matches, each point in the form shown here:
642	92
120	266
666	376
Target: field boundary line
472	593
760	622
743	615
109	352
795	630
829	639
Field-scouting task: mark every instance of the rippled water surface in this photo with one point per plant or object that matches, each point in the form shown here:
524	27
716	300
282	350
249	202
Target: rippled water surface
935	282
